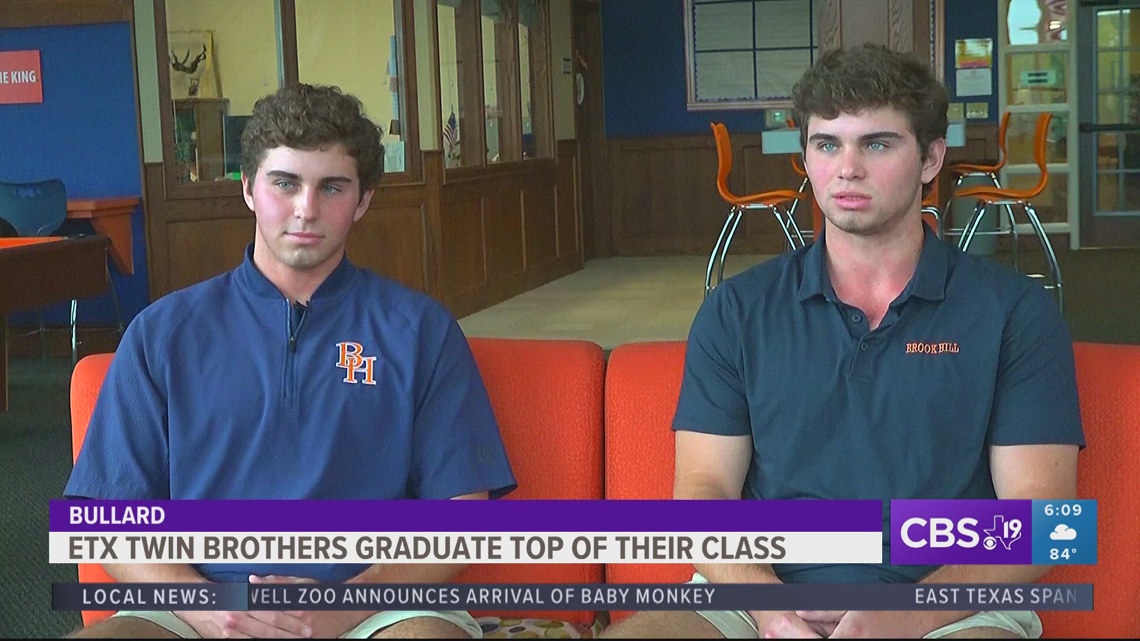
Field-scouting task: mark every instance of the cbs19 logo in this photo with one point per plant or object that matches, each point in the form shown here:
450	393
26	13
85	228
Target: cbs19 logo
942	532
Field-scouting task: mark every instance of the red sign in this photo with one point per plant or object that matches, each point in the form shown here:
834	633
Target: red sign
20	79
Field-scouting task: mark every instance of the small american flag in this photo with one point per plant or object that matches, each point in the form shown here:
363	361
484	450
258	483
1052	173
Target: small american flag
451	132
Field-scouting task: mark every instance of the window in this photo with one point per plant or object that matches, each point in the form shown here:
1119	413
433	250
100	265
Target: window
223	57
748	53
354	45
494	61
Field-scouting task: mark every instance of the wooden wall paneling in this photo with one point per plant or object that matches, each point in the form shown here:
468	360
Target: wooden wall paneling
38	13
500	232
569	212
901	25
864	21
542	100
205	248
540	223
471	116
391	241
461	260
157	245
665	195
503	232
433	235
595	181
921	32
666	200
829	20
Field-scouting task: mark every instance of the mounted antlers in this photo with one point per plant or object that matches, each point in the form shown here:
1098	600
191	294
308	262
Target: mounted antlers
180	65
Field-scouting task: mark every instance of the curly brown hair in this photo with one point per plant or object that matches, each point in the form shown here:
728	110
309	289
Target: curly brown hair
308	117
871	77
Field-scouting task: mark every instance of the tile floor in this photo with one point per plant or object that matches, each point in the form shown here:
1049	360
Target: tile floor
611	301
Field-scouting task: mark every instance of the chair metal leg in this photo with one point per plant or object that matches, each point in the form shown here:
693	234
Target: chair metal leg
937	215
791	230
972	227
1050	255
1013	234
115	302
727	242
74	341
716	250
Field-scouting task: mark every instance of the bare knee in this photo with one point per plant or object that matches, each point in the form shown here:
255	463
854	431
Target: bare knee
422	628
663	625
123	628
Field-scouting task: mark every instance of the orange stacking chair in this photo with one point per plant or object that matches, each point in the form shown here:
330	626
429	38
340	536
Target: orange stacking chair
987	196
966	169
771	201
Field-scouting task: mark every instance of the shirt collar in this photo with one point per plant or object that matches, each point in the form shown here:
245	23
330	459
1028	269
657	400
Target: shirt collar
251	278
928	281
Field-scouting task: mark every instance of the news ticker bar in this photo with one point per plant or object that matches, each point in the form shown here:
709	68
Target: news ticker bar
685	596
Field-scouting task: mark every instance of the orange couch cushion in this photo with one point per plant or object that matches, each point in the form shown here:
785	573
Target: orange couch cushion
643	381
547	397
1108	382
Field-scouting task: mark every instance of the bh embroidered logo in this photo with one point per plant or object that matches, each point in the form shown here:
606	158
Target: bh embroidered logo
350	360
932	348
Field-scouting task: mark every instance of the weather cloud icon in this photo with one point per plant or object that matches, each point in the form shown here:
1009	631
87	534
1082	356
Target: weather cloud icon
1063	533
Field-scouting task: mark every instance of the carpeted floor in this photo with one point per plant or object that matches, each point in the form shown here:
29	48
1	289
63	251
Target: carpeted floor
35	456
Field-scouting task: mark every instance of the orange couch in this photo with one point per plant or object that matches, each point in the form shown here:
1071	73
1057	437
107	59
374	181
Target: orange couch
577	426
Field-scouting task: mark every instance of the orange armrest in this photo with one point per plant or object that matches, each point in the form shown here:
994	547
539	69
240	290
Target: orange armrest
969	168
769	197
991	193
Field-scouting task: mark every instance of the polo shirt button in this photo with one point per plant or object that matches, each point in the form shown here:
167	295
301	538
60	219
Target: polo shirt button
855	318
863	347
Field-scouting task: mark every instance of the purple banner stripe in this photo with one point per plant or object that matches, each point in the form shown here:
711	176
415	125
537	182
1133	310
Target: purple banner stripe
467	516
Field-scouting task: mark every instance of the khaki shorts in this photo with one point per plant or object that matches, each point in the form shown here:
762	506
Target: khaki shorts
364	630
736	624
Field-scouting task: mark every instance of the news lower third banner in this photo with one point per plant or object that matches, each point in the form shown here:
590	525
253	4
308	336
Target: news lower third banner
466	532
922	532
687	596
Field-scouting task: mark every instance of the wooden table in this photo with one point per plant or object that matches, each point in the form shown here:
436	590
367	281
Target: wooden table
38	272
111	217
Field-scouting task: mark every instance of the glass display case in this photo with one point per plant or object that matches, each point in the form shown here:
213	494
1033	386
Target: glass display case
199	139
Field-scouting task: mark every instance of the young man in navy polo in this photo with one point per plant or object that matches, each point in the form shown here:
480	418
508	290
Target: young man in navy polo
294	376
877	363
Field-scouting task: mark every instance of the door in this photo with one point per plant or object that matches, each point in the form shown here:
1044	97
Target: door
1109	112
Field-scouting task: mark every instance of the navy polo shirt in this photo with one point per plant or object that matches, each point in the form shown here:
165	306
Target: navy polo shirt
971	354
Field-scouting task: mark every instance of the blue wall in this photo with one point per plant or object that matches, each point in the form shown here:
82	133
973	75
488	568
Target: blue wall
85	132
643	45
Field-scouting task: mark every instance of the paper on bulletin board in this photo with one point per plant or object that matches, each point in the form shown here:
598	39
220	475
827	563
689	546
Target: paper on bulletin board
974	82
973	53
